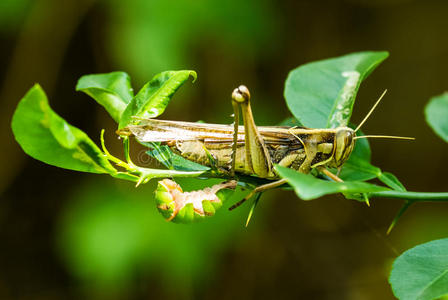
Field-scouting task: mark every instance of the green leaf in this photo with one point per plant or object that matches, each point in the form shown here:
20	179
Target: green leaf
321	94
362	148
161	153
112	90
171	160
47	137
291	122
421	272
153	98
358	167
436	112
308	187
391	181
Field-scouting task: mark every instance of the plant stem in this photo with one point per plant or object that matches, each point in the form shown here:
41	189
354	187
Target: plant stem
414	196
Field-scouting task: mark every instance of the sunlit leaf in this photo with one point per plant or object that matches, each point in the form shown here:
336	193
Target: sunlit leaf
47	137
112	90
436	112
321	94
421	272
152	99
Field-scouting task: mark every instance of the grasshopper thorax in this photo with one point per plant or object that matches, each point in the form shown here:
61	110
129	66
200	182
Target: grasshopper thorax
343	145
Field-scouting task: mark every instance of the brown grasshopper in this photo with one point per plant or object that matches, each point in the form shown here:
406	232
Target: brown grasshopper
250	149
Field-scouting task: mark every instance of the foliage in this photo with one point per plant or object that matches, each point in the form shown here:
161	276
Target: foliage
47	137
319	94
113	91
308	187
62	145
436	112
154	96
422	272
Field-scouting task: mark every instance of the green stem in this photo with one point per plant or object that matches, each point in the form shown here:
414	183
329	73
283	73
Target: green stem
415	196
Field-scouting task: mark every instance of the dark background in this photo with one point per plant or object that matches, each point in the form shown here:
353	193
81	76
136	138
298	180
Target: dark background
68	235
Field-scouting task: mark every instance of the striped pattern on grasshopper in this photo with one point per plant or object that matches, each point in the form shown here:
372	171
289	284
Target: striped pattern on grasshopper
298	148
250	149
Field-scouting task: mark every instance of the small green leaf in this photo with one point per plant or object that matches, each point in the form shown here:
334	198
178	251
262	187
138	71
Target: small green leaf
436	112
182	164
171	160
153	98
357	169
321	94
112	90
308	187
421	272
161	153
391	181
47	137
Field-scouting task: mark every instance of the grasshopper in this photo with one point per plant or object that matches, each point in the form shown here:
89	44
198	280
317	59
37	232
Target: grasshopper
253	150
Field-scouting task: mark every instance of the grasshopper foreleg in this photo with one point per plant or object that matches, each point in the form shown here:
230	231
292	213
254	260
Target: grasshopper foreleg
329	174
258	160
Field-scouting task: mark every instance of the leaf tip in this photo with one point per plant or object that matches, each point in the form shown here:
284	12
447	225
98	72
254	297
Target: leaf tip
193	74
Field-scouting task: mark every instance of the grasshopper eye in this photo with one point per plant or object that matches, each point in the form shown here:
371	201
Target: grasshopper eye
344	144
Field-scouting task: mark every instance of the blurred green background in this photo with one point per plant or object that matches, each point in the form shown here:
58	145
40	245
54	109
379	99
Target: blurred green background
68	235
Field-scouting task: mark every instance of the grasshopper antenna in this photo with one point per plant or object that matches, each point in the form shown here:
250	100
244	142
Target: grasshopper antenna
378	136
384	137
371	110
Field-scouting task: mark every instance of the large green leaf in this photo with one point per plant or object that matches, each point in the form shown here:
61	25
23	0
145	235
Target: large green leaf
47	137
152	99
421	272
308	187
436	112
112	90
321	94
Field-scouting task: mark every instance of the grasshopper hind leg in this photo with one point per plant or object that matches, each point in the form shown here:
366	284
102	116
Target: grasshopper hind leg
259	189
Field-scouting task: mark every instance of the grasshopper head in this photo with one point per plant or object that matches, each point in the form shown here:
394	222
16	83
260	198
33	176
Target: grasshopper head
344	143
